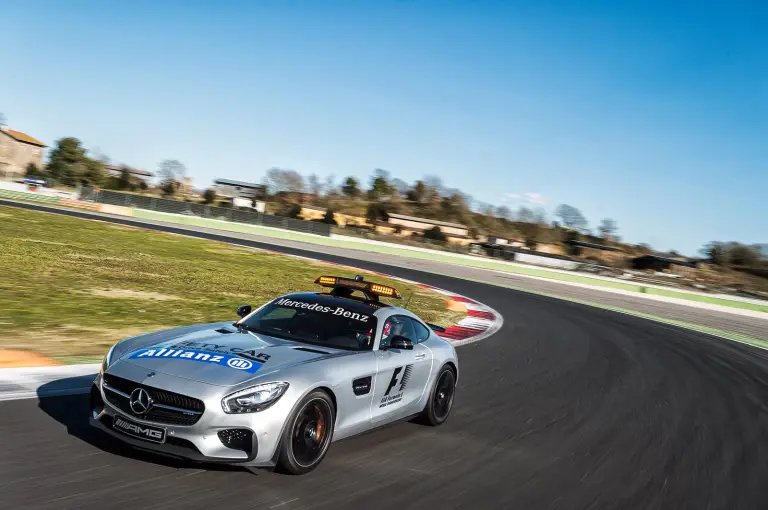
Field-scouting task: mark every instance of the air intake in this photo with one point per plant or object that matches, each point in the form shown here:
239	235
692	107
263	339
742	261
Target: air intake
307	349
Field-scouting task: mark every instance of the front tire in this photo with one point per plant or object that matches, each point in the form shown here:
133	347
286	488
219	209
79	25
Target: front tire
440	402
307	435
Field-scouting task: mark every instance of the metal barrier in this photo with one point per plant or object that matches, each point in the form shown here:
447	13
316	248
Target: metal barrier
204	211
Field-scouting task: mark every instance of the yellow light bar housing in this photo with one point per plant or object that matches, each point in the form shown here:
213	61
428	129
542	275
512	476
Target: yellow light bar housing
369	288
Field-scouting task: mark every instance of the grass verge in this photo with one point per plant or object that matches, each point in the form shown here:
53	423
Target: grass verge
446	258
69	287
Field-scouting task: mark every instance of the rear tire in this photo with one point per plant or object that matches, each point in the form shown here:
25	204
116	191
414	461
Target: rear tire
307	435
440	401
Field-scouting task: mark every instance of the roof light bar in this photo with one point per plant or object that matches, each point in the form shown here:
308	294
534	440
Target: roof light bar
372	289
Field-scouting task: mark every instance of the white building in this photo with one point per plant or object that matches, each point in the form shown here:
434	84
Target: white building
238	189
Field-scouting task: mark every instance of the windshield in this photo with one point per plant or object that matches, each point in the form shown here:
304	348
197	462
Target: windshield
316	322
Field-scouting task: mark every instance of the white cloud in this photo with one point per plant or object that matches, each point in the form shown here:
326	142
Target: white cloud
527	198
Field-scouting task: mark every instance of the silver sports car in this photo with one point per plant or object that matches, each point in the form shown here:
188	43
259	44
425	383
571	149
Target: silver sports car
275	388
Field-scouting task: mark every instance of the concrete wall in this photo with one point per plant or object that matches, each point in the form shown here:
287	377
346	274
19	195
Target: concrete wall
545	261
422	225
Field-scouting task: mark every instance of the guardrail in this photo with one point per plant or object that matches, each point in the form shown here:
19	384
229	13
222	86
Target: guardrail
204	211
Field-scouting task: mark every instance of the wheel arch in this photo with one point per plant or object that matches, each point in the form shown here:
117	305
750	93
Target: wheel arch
331	394
454	368
323	388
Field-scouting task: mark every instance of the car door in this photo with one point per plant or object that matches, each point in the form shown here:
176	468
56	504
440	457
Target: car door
401	375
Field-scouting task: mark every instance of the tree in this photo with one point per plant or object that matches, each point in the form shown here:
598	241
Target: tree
435	184
350	187
525	215
399	187
330	185
170	188
503	212
329	218
419	193
571	217
571	236
124	181
454	208
65	161
531	232
34	172
172	170
379	185
93	173
284	181
376	212
743	255
314	185
716	252
607	228
209	196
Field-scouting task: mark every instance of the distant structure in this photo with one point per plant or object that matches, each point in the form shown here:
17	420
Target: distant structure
239	189
403	225
241	194
664	264
17	151
135	175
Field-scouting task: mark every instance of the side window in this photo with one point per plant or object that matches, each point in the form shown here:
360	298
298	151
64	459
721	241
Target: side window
421	331
397	325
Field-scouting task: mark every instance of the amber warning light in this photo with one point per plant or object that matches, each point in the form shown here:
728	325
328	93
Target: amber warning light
367	287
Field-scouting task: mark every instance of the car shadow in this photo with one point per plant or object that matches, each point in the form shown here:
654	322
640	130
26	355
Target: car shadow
56	399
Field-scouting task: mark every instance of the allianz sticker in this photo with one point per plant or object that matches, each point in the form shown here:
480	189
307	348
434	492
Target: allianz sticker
232	361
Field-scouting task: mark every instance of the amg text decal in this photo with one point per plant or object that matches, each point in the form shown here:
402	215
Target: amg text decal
137	430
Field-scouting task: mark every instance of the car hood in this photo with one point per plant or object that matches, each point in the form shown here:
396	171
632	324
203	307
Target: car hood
223	356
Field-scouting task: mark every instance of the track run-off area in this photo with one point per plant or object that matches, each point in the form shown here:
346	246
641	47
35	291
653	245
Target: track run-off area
566	406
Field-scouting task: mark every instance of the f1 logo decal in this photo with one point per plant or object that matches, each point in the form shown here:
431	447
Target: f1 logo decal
403	381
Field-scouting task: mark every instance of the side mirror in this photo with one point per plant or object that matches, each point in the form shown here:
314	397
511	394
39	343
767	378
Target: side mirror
402	343
243	310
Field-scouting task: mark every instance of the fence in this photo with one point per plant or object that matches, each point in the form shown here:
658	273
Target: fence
204	211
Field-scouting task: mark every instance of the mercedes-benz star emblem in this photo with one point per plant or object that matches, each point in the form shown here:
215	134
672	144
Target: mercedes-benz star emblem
140	401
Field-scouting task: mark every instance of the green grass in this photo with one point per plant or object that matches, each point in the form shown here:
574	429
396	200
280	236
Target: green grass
71	287
446	258
18	195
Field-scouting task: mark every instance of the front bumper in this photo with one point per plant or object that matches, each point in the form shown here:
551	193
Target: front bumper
259	433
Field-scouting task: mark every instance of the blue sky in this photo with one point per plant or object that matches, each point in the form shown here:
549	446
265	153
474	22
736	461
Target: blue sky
654	113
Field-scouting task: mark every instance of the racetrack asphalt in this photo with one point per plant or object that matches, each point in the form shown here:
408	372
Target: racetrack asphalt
567	406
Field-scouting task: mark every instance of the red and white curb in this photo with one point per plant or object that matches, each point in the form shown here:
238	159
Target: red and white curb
480	322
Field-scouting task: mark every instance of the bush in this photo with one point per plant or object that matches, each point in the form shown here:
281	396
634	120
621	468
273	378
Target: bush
209	196
435	234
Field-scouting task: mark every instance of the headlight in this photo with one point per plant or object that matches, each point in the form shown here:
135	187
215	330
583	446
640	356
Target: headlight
107	359
254	399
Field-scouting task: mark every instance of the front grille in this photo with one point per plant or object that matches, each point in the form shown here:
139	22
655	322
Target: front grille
162	397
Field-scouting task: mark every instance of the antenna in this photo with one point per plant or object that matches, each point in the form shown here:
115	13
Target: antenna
405	306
